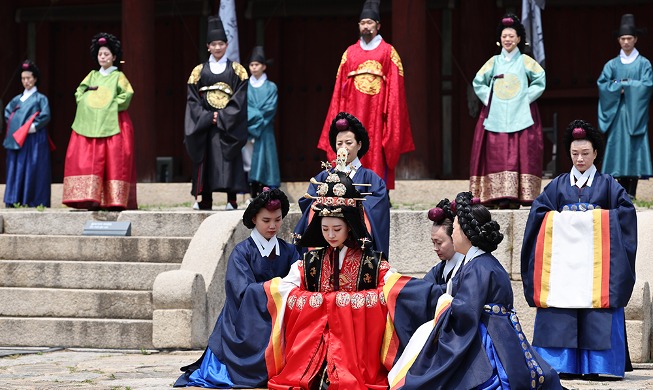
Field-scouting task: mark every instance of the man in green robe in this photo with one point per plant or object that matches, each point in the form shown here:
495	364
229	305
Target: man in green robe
625	87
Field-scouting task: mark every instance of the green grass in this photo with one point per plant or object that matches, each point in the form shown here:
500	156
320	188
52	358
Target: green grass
156	207
644	204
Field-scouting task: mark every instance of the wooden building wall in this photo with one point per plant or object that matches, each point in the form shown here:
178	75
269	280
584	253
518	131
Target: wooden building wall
442	44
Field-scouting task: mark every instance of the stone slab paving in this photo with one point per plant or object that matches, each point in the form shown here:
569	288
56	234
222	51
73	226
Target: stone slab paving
34	368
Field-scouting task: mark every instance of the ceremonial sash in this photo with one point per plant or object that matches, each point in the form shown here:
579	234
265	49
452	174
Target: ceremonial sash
572	260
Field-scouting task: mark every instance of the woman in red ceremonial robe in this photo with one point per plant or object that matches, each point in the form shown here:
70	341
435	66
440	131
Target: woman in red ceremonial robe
100	171
329	313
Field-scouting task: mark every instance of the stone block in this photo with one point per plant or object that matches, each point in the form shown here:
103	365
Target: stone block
164	223
179	317
30	302
178	328
81	274
519	219
411	250
76	332
638	333
90	248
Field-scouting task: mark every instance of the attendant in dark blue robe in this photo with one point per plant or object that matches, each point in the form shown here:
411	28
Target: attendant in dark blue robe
348	132
585	341
235	356
441	232
29	173
475	341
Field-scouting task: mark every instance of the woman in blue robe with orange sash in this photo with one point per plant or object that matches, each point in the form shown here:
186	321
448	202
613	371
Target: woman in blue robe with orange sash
475	340
348	132
235	356
580	298
29	173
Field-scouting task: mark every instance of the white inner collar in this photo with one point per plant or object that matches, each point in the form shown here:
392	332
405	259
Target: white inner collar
264	246
107	71
628	59
374	43
580	179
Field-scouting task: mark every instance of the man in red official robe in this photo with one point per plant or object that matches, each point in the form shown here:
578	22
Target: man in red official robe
370	86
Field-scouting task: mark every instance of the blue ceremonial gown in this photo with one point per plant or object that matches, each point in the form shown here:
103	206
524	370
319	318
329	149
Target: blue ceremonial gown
261	109
584	341
235	356
29	173
377	207
624	117
469	347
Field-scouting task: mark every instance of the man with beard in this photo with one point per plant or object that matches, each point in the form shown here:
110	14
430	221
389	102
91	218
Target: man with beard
370	86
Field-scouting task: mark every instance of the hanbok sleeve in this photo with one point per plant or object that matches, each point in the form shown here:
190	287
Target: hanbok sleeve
397	135
43	118
124	93
261	113
637	95
83	88
537	78
544	203
481	82
609	96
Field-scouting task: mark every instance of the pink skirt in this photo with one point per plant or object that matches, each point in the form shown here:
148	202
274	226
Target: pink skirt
101	172
507	166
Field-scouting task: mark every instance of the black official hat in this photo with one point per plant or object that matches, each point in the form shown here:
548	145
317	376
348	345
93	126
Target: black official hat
371	10
215	30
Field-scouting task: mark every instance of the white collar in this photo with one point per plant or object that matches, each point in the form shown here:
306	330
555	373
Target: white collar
257	83
630	58
508	56
472	253
107	71
374	43
217	66
452	263
264	246
27	93
580	179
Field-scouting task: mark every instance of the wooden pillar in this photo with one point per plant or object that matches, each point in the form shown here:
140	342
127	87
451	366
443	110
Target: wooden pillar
138	52
409	38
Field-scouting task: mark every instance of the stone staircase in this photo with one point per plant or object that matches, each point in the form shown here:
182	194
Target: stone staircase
60	288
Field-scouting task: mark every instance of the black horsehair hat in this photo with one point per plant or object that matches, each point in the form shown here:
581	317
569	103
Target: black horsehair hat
258	55
337	197
345	121
215	30
627	26
371	10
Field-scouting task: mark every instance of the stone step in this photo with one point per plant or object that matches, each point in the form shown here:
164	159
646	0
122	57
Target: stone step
76	303
81	275
93	248
71	223
76	332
